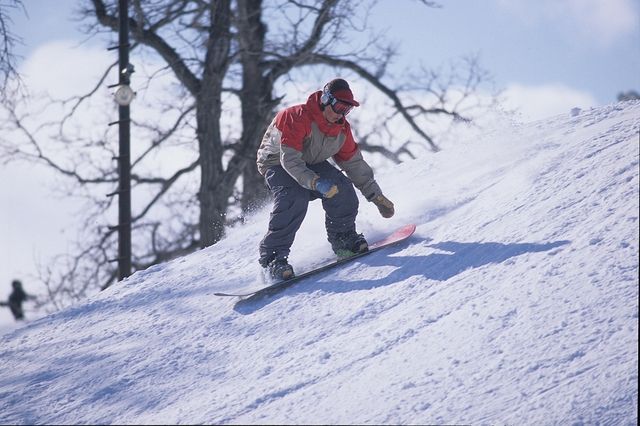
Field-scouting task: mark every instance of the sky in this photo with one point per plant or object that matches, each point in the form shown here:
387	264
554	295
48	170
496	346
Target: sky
588	48
548	56
515	302
584	50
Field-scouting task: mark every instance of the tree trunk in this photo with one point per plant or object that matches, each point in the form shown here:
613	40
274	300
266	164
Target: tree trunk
212	206
257	113
214	190
257	105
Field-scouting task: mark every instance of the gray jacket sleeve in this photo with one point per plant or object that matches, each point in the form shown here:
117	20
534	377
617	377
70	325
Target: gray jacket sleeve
291	160
361	175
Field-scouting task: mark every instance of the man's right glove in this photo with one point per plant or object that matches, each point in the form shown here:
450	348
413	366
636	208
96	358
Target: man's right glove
385	207
325	187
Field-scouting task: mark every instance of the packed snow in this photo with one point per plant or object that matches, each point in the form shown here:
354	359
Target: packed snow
515	302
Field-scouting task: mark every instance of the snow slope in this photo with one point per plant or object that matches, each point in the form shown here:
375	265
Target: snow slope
516	302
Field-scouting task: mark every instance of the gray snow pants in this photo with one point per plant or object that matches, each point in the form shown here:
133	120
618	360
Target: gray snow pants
290	207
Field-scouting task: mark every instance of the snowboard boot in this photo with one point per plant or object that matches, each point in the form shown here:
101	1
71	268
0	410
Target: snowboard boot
346	244
280	270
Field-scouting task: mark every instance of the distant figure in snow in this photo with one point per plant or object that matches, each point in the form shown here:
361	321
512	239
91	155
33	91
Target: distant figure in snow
293	160
17	297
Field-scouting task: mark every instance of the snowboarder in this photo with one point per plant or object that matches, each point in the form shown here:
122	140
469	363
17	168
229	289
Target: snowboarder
17	297
293	160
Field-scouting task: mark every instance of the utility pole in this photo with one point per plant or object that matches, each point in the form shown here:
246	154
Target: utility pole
123	96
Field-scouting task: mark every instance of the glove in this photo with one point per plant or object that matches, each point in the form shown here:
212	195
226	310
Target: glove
385	207
324	186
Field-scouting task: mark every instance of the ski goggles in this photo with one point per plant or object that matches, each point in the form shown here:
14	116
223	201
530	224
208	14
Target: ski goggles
340	107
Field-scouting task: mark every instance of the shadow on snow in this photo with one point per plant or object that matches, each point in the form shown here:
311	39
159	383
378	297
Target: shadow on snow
453	258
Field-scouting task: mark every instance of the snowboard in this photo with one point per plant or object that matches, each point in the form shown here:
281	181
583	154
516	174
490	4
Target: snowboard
397	236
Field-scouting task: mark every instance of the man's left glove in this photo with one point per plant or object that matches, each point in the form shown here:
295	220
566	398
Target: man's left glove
325	187
385	207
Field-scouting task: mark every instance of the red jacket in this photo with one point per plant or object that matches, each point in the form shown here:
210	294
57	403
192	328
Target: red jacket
300	135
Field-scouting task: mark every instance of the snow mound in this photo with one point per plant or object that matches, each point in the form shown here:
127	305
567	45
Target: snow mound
516	301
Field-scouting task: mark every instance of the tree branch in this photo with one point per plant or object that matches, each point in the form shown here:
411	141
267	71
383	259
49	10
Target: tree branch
153	40
375	82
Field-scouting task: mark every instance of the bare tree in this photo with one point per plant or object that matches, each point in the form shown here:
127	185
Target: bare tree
221	53
629	95
8	41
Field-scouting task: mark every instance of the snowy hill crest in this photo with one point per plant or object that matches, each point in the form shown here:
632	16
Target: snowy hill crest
516	301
